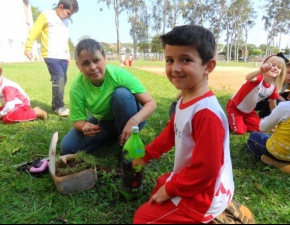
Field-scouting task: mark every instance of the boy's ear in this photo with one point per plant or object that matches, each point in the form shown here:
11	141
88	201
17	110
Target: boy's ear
210	66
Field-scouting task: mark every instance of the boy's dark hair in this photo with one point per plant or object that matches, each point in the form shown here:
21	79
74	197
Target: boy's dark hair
90	45
198	37
69	4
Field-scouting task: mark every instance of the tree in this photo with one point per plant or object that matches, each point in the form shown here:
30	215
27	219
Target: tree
35	12
165	14
143	46
160	12
277	21
176	9
218	17
118	8
255	52
107	47
220	47
248	15
196	12
138	18
156	45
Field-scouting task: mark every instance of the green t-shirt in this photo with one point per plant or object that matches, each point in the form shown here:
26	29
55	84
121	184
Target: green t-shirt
86	98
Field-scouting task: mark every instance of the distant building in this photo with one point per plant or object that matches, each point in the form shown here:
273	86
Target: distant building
15	22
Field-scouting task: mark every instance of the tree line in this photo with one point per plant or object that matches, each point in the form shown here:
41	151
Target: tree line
233	18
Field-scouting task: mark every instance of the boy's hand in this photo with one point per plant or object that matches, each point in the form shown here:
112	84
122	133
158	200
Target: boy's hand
137	162
28	54
160	196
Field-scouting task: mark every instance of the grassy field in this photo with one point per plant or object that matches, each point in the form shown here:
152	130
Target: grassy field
26	198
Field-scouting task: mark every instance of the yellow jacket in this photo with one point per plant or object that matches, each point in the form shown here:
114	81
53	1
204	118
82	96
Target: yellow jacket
54	35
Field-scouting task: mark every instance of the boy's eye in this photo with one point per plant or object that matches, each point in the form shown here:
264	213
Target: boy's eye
186	60
168	60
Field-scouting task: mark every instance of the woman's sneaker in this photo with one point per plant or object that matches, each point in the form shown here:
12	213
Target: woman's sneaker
62	112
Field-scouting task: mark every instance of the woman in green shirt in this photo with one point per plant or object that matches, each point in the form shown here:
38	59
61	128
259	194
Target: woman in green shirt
113	97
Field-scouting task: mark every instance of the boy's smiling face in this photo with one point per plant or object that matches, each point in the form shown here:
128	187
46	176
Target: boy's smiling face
184	67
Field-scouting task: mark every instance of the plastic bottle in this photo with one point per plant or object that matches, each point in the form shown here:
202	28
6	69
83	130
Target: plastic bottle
132	179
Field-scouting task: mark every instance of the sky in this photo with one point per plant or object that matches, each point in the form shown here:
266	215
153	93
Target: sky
98	22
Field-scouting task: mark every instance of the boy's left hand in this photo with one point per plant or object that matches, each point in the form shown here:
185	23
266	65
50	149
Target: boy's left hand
137	162
160	196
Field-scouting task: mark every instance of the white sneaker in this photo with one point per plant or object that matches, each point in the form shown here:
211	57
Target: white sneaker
62	112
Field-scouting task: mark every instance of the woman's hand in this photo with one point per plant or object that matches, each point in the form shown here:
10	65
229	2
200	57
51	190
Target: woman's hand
91	129
127	131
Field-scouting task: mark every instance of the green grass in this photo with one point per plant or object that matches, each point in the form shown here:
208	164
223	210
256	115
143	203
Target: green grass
26	198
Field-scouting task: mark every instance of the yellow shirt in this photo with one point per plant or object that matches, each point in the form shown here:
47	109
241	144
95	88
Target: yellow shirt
54	35
279	142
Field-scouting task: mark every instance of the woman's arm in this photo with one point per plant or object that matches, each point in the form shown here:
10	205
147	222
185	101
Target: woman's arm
148	107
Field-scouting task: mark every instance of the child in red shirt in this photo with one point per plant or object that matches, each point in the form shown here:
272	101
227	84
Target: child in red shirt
260	84
200	185
16	103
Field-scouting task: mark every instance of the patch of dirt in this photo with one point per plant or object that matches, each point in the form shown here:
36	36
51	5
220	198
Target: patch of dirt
74	166
222	78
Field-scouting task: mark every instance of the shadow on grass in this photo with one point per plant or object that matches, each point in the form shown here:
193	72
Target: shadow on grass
43	105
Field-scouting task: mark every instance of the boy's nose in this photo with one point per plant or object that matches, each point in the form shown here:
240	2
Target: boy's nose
175	68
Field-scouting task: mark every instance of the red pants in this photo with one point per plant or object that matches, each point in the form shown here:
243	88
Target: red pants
130	63
161	214
19	114
240	122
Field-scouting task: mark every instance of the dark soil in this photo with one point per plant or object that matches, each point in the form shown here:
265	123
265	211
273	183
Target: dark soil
74	166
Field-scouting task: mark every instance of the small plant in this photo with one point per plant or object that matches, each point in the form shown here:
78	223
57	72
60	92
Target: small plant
74	164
